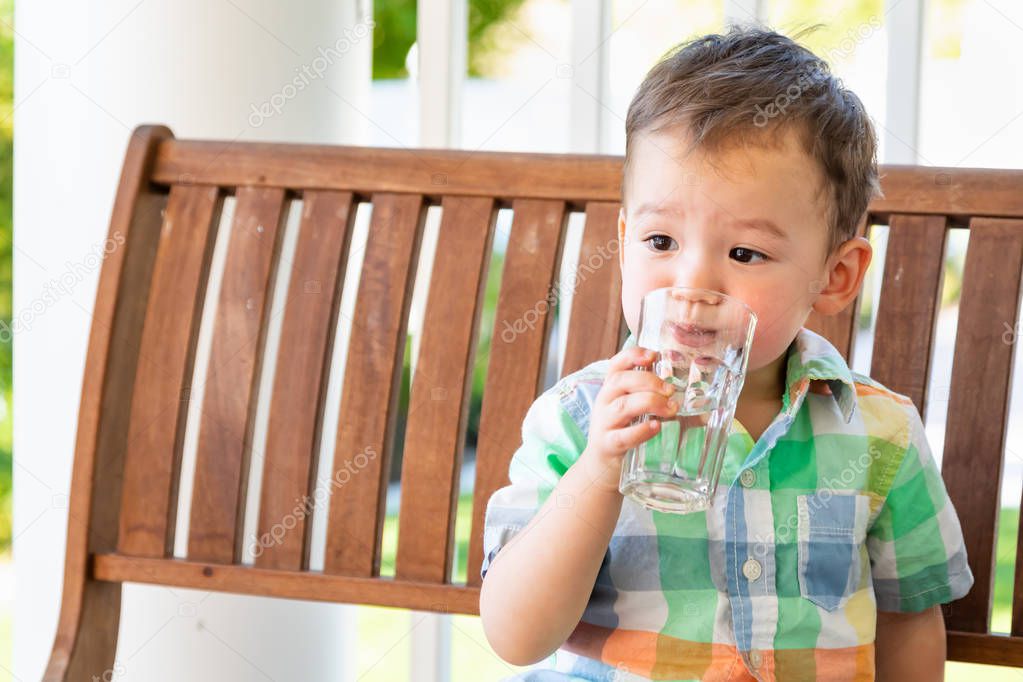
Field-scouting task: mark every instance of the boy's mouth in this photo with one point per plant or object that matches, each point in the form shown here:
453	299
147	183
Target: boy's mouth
691	335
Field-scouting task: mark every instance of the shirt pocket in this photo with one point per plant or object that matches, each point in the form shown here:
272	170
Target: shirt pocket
832	530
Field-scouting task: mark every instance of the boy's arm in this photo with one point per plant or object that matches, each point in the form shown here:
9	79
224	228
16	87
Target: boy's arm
928	568
910	646
538	585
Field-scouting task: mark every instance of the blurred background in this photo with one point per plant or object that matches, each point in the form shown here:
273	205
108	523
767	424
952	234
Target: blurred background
942	79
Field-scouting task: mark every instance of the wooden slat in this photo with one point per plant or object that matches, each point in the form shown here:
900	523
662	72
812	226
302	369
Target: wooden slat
978	405
86	637
597	299
160	402
439	397
908	310
308	585
957	192
229	405
573	177
515	375
303	368
1011	333
369	398
991	649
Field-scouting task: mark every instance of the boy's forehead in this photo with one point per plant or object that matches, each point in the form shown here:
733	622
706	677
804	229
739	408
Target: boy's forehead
664	178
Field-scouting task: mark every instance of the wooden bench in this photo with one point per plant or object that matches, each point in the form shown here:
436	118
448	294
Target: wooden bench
149	302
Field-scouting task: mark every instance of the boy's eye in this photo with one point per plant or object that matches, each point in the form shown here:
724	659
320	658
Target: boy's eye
744	255
662	243
658	241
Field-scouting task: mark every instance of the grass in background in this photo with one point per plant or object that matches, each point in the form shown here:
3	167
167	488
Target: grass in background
384	642
1001	611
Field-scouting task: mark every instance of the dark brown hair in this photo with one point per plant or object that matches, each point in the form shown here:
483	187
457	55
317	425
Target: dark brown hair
748	85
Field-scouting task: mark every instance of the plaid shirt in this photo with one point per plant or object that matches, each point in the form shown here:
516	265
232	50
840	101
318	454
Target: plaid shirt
838	510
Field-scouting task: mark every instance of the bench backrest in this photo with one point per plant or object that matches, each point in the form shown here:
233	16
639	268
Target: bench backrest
150	301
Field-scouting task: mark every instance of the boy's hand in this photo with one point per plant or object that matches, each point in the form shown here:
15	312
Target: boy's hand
627	394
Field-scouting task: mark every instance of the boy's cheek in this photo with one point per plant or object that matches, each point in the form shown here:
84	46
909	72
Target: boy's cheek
774	333
633	288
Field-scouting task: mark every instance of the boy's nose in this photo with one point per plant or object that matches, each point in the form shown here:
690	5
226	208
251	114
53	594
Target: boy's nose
698	295
696	268
700	278
696	305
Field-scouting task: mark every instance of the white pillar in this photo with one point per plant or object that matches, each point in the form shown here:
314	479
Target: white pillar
745	11
86	74
441	49
591	48
905	19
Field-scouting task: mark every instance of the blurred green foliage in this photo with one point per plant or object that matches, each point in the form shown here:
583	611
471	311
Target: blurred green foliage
394	32
6	218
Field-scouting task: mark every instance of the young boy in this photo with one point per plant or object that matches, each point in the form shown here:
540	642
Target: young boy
831	540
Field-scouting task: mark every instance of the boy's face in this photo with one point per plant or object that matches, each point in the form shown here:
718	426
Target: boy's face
686	223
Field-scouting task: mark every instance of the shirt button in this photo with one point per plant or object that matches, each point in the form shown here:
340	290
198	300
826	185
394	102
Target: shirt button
755	658
751	569
747	478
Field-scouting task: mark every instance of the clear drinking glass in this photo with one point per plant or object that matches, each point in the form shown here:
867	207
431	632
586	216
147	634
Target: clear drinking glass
702	340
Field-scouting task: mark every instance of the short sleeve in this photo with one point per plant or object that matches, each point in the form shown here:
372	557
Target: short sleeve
916	547
551	442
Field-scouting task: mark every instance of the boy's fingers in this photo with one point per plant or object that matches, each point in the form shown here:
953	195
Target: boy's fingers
629	406
629	437
629	358
634	381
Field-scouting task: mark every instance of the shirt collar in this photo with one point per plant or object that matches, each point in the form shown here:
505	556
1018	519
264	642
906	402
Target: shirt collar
813	362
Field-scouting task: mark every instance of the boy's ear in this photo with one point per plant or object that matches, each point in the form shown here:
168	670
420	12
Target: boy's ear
843	276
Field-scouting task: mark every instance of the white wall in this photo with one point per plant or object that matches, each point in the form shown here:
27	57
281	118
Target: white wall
86	74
